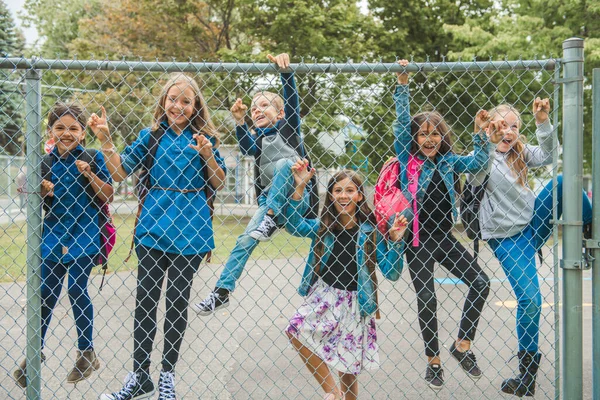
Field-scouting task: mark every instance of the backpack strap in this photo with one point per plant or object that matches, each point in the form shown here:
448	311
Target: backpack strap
371	253
47	162
148	163
479	197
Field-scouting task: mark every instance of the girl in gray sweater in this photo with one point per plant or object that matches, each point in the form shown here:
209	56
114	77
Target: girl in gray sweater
516	223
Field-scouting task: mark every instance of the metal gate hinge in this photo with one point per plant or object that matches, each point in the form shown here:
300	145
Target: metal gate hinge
563	222
575	264
591	244
568	80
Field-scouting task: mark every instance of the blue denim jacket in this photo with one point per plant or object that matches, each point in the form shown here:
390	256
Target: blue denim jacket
389	256
447	164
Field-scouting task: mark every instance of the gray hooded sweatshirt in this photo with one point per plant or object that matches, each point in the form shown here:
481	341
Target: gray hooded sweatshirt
507	207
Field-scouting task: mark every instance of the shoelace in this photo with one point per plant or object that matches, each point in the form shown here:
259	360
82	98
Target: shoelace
166	386
211	301
266	224
130	382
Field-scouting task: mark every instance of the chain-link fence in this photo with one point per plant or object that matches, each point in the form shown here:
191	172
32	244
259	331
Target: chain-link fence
347	114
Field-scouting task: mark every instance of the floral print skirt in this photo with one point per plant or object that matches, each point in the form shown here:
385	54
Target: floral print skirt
329	324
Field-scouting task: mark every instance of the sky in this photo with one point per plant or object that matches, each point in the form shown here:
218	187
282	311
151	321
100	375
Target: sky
16	6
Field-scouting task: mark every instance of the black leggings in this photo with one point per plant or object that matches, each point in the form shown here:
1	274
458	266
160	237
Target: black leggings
447	251
152	267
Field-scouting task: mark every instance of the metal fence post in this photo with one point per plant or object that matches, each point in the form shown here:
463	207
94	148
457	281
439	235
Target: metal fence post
596	234
572	261
33	98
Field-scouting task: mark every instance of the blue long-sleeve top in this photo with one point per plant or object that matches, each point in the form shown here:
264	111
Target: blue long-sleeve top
288	127
447	164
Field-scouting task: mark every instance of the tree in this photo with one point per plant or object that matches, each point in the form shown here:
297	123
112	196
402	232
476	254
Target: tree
11	99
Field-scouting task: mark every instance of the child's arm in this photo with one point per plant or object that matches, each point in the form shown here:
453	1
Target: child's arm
402	135
112	158
478	160
246	140
492	130
47	188
100	182
390	252
295	223
291	100
537	156
216	174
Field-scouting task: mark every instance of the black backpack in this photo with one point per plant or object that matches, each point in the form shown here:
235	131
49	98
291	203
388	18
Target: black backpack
470	202
107	228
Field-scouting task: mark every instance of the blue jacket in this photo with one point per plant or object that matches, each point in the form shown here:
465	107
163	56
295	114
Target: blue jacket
72	221
389	256
447	164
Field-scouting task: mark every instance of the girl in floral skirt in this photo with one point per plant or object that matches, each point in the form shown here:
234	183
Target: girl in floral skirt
335	327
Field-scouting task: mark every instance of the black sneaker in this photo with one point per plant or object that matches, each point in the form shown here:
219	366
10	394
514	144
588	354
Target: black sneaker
434	375
265	230
216	300
467	361
166	386
137	386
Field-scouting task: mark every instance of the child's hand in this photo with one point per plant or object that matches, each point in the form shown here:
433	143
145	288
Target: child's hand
47	188
282	60
302	172
203	146
482	121
238	111
99	126
495	131
398	228
84	168
402	76
541	109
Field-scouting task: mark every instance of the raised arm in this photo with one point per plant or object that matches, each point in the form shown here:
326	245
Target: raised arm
537	156
245	138
291	100
402	136
295	223
112	158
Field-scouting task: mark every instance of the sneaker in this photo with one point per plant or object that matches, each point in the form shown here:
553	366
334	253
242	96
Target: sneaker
265	230
467	361
137	386
166	386
434	375
216	300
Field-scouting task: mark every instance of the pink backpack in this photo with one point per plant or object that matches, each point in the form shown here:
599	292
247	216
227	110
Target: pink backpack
389	199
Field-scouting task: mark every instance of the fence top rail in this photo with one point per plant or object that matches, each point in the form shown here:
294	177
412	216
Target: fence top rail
303	68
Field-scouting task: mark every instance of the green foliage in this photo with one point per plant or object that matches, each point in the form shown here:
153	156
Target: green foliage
11	99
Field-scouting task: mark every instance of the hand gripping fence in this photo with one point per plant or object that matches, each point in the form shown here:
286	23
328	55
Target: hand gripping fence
349	116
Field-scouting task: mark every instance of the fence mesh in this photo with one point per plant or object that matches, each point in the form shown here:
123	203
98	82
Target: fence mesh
242	352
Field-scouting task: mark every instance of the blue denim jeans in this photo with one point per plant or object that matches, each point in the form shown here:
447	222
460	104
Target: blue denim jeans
517	257
53	275
276	199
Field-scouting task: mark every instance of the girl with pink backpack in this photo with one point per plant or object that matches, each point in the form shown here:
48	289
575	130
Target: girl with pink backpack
428	178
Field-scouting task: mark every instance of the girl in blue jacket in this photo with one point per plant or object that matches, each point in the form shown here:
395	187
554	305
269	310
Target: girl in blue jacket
174	231
425	140
335	326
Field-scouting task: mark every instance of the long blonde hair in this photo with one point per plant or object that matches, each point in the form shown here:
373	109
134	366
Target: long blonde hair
201	121
516	154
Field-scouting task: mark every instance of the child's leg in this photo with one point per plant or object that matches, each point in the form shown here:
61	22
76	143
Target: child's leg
517	257
542	213
240	254
349	385
83	311
152	265
53	274
180	275
281	188
316	367
420	264
460	263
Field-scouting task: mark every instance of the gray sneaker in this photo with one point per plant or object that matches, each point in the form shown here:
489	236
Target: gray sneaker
137	386
264	232
212	303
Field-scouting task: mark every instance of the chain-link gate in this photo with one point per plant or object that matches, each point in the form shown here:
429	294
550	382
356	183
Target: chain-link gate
242	352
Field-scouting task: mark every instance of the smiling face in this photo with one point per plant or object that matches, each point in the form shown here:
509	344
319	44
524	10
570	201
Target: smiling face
266	110
429	139
345	197
67	133
511	123
179	106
